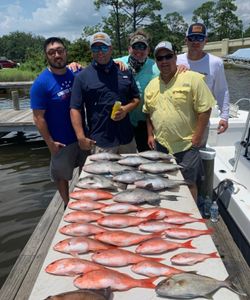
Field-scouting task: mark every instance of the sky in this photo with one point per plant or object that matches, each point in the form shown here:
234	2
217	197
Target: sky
67	18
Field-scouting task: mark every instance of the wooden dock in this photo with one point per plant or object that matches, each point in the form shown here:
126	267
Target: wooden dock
22	278
16	120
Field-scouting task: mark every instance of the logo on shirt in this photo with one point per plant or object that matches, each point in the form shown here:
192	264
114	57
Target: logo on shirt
65	91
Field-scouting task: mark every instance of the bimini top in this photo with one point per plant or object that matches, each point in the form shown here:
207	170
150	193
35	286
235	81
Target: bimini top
240	54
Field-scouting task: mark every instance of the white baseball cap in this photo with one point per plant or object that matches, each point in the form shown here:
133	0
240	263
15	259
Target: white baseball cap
100	37
163	45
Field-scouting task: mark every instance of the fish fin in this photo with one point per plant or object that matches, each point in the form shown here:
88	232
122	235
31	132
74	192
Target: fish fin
122	186
148	283
188	244
210	230
153	216
232	286
214	255
169	197
74	254
149	186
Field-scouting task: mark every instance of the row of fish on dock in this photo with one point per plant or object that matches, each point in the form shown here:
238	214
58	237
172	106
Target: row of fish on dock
102	214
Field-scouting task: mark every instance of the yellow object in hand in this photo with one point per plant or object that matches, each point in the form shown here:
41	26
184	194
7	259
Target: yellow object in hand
115	108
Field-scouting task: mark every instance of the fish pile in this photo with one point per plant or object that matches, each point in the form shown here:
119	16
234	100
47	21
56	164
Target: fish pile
100	221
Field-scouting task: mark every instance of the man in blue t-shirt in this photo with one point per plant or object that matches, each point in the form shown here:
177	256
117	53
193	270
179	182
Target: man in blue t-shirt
50	100
95	91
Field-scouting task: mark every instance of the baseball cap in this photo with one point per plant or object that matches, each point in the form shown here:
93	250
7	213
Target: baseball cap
100	37
139	38
197	29
163	45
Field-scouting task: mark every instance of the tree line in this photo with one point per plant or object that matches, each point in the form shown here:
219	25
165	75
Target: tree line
125	16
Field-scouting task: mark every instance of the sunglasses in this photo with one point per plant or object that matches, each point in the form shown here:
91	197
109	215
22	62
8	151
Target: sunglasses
52	52
139	46
102	48
196	38
166	57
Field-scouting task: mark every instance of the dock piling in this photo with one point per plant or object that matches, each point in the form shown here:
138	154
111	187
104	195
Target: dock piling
15	99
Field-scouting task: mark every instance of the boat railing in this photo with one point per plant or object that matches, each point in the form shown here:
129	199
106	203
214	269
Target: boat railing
242	143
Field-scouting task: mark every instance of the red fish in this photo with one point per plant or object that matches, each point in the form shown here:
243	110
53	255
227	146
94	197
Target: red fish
155	226
191	258
153	268
79	245
119	258
182	219
162	212
123	238
71	266
81	229
120	208
82	216
121	221
117	281
91	194
186	233
85	205
159	245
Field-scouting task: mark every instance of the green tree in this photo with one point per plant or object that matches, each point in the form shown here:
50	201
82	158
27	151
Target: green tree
157	31
205	14
176	29
116	5
79	51
247	32
228	25
139	11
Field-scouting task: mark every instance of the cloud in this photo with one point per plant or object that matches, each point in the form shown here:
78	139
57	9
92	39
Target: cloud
67	18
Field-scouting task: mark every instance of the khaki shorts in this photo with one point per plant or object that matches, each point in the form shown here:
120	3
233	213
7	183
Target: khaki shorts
63	163
121	149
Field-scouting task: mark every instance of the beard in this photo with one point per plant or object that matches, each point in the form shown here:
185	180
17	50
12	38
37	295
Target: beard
57	64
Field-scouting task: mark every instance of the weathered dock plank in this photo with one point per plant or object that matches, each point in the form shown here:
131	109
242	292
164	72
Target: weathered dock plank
17	84
23	275
16	120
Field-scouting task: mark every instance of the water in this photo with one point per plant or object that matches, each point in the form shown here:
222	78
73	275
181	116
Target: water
26	189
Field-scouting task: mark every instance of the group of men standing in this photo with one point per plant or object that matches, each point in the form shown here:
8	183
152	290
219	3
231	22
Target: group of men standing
162	108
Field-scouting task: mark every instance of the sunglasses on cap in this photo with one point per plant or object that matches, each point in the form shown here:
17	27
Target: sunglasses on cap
196	38
139	46
166	57
102	48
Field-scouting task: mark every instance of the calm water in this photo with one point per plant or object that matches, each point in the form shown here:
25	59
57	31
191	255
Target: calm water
25	186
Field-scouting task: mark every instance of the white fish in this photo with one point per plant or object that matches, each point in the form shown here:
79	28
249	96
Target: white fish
129	177
156	155
95	182
105	167
133	161
159	183
104	156
189	286
158	167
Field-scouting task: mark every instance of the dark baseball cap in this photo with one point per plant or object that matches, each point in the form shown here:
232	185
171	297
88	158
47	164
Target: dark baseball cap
197	29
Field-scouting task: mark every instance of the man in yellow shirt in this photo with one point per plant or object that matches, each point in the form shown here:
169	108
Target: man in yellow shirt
178	107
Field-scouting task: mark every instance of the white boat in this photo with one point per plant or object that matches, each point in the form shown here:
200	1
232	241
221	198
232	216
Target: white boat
231	181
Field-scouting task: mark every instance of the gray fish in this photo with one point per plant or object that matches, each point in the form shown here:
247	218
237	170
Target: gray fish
129	177
138	196
104	156
105	167
95	182
158	167
84	294
189	286
133	160
158	183
155	155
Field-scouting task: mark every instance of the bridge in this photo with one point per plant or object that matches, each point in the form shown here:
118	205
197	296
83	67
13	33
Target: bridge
225	47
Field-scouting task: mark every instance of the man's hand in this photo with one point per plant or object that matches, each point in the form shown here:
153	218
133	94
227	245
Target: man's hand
55	147
222	126
151	142
120	114
86	144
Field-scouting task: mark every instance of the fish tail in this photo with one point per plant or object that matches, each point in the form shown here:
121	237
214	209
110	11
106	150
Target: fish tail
153	216
156	258
209	231
202	220
188	244
148	283
231	286
214	255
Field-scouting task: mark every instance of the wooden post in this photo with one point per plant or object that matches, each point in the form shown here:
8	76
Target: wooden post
14	97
